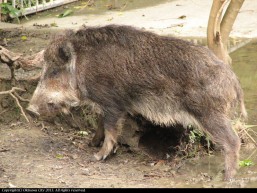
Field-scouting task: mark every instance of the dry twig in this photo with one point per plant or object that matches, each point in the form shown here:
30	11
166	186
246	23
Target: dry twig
243	129
13	93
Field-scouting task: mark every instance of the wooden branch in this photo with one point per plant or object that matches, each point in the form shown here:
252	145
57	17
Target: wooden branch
211	23
218	19
20	98
214	35
229	19
12	90
16	60
214	21
31	63
13	93
7	56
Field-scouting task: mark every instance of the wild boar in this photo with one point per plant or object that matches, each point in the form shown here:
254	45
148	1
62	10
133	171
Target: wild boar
124	70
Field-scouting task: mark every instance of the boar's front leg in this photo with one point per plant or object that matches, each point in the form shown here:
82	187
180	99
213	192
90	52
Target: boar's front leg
99	133
111	135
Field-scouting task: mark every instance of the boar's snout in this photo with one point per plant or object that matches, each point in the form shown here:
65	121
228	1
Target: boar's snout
32	111
49	104
46	109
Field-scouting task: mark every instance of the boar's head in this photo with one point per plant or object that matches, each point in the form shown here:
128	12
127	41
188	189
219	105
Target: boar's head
57	90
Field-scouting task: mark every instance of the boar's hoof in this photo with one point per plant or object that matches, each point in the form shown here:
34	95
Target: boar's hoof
107	148
96	141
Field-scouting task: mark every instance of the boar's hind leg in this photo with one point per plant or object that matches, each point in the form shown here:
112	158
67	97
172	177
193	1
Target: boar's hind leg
221	130
99	133
110	140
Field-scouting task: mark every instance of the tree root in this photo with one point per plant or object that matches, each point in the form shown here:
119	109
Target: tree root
16	61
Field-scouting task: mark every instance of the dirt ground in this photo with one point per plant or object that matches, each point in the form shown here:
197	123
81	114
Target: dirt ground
40	155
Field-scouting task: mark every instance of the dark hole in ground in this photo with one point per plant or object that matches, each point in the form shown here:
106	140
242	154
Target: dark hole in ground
159	142
162	142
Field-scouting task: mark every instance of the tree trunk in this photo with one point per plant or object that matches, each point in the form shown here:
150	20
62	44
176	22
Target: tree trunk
219	27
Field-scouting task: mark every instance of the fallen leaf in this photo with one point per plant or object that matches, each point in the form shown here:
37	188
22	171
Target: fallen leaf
65	13
11	185
53	24
110	19
82	133
59	156
24	38
182	17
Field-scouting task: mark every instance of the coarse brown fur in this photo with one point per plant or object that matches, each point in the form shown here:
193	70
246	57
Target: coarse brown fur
167	80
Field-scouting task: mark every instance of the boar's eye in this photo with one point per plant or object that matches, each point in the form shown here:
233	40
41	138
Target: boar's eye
64	54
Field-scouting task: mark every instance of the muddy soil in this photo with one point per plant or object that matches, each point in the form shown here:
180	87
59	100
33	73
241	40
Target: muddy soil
41	154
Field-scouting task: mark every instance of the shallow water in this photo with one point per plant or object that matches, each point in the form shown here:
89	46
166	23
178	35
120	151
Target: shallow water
245	66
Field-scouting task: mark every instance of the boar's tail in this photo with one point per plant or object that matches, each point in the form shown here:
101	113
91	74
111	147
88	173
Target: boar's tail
242	105
242	109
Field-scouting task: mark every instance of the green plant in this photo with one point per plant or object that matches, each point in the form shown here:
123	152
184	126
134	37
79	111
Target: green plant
246	162
198	136
194	142
10	11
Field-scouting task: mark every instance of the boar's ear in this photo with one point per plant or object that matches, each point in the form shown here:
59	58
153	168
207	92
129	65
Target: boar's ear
68	55
65	52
